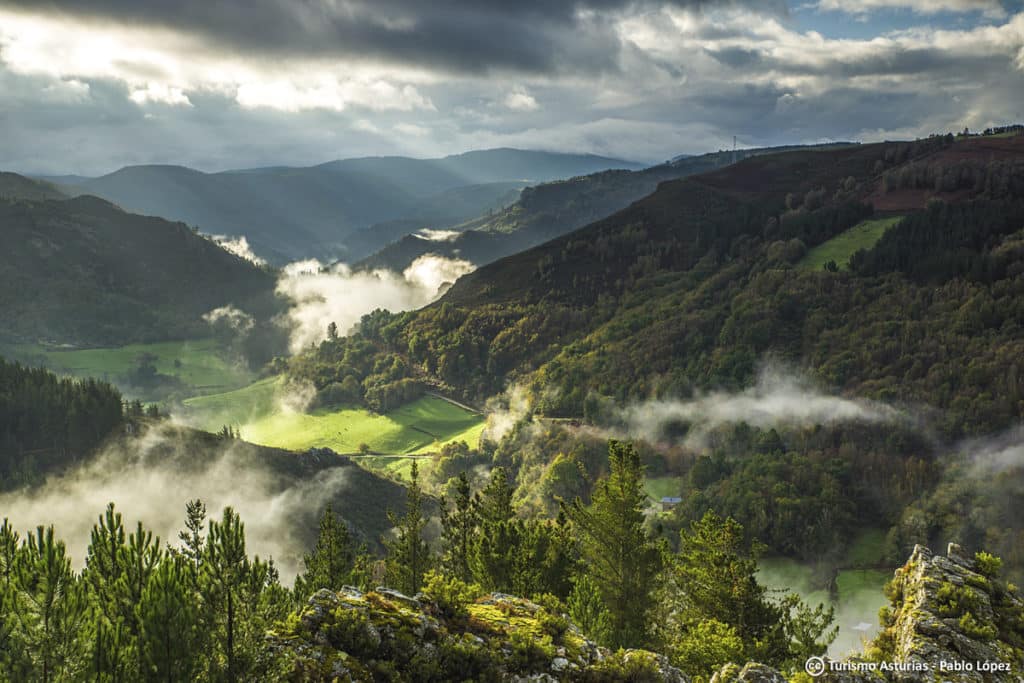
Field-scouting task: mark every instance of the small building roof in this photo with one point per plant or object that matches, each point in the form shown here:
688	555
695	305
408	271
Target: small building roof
671	499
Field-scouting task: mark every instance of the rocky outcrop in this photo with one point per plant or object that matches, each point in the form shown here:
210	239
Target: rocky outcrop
384	635
950	619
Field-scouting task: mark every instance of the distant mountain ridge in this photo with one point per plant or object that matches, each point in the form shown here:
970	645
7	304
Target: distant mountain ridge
288	213
556	208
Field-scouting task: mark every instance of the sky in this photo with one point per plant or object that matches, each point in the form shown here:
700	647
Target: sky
87	87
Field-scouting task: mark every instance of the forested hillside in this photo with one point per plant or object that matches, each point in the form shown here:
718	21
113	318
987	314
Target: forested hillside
695	289
546	211
692	286
82	271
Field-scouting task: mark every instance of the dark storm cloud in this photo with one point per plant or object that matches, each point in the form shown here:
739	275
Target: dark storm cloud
461	35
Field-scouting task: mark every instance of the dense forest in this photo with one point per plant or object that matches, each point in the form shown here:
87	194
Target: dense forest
47	422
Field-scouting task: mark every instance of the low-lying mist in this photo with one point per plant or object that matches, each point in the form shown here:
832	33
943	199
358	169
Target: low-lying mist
322	294
150	479
779	397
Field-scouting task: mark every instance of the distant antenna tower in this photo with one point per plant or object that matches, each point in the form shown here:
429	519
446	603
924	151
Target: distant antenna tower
734	149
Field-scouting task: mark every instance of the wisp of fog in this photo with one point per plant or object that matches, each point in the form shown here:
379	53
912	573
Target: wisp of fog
778	397
322	294
149	479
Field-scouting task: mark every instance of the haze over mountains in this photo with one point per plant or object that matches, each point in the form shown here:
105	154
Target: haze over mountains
291	213
550	210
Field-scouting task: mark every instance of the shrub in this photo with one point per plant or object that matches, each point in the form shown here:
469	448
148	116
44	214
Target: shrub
451	595
988	564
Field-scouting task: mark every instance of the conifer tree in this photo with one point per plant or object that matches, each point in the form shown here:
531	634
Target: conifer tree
494	503
332	560
224	569
168	615
51	609
408	554
712	587
618	556
191	537
458	527
586	609
9	647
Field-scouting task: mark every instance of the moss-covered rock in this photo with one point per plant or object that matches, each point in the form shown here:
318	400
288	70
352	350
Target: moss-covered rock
386	636
944	610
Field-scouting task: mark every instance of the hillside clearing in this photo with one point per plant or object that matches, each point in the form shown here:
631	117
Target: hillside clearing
260	412
200	364
840	248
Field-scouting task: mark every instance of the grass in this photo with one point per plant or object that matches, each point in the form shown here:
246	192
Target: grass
238	407
419	427
198	364
392	467
840	248
853	583
661	487
866	550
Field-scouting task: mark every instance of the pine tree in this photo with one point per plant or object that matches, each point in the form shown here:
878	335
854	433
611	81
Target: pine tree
586	609
332	560
493	554
712	588
408	554
618	556
191	537
51	609
458	527
494	503
168	613
10	660
224	569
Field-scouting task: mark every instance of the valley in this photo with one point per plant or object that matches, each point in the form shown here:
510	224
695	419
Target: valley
773	356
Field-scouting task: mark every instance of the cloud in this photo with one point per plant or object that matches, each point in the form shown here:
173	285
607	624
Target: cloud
989	8
431	235
239	246
321	295
638	79
160	93
520	100
778	398
454	35
151	479
234	318
992	456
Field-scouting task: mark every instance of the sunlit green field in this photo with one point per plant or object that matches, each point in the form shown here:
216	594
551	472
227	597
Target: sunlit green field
840	248
261	413
198	364
661	487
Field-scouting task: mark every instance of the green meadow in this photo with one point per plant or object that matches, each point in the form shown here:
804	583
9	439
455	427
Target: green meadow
261	413
662	487
200	365
840	248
